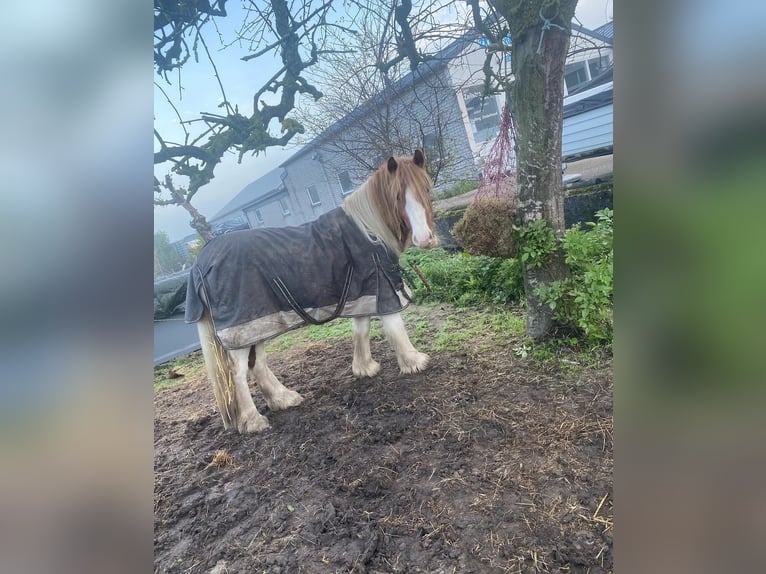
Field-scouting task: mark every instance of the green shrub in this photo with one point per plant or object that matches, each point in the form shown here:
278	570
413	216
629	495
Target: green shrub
584	299
582	302
463	279
536	242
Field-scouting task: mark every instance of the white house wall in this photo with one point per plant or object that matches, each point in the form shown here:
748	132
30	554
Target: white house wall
303	172
466	70
416	112
433	105
589	131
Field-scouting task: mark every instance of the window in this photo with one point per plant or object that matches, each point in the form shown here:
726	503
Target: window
575	75
258	216
346	186
284	206
313	195
431	148
483	113
598	65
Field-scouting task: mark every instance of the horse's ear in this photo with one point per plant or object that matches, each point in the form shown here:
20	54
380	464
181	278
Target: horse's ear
392	165
419	159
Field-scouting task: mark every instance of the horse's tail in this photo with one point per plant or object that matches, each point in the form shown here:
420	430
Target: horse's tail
219	371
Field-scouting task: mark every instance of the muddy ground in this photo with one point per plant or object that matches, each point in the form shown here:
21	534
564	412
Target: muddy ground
487	462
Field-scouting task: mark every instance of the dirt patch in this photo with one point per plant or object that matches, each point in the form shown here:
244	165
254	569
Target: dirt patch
484	463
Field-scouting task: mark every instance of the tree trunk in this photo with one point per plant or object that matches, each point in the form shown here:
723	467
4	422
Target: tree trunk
537	102
199	222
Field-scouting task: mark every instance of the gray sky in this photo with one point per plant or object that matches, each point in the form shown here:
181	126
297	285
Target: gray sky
201	94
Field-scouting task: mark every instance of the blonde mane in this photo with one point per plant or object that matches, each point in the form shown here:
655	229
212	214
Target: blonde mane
377	207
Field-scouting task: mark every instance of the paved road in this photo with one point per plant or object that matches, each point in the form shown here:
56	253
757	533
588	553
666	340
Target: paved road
173	338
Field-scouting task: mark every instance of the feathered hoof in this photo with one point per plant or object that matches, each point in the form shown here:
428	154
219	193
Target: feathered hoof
413	362
286	400
252	421
368	370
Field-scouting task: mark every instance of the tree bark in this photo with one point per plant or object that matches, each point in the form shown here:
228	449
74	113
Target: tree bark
537	103
180	196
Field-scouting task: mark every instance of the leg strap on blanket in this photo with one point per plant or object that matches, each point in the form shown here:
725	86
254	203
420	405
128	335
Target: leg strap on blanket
393	268
282	289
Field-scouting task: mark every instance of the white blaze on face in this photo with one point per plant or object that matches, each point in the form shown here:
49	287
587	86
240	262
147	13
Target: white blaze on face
422	235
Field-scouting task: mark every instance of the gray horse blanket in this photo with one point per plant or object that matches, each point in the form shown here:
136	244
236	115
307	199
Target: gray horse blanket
259	283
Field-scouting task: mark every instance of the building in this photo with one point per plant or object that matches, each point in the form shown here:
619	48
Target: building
439	107
591	55
265	201
588	105
424	109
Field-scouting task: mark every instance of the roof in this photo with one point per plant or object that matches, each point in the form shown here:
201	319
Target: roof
606	30
595	95
604	33
425	69
252	192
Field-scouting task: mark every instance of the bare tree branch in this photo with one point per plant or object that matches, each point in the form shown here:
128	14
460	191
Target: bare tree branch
172	20
295	33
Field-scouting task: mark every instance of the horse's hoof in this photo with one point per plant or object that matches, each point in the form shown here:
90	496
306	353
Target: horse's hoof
413	362
369	370
288	399
252	422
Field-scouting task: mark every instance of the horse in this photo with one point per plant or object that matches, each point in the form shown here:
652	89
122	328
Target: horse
248	287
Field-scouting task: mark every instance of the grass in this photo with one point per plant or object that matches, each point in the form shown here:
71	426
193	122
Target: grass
477	330
334	330
178	371
433	327
459	189
570	356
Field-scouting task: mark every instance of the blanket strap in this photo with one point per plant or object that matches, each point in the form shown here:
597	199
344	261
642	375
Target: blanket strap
285	292
394	268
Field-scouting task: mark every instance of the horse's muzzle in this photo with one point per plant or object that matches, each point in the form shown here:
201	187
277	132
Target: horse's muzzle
429	243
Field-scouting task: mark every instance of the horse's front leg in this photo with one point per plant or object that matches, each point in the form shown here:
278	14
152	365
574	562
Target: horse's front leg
363	365
409	359
250	420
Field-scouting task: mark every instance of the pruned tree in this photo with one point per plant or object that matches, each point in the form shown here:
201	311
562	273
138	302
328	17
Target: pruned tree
174	20
293	30
298	32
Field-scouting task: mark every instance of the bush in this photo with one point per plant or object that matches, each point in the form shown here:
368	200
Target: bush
584	300
463	279
537	242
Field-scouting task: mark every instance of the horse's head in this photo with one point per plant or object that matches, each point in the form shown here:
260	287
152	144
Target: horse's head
406	201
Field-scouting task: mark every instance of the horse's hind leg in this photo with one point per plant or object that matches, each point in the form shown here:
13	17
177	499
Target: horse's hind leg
409	359
249	420
277	396
363	364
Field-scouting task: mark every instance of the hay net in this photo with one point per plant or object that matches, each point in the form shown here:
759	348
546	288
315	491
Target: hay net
499	174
